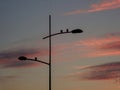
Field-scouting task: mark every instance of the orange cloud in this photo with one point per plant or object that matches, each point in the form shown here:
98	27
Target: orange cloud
104	5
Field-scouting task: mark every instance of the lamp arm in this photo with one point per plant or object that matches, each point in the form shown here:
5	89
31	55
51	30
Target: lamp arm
38	61
55	34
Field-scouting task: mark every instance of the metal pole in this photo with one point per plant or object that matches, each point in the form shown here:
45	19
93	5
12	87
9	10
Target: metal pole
49	52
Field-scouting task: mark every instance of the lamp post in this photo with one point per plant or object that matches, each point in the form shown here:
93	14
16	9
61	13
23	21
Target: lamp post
50	54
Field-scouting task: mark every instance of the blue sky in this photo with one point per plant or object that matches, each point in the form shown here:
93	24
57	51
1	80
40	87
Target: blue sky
89	60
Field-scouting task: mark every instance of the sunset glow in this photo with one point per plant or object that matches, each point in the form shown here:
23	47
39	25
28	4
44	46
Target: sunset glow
80	61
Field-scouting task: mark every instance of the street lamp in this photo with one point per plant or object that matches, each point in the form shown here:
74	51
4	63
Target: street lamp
23	58
64	32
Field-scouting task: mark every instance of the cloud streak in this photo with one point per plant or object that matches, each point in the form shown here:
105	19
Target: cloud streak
102	6
108	45
9	59
106	71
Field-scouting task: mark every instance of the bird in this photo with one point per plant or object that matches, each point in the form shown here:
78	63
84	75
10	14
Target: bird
67	30
61	31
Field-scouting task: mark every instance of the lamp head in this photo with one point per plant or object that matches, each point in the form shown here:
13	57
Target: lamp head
77	31
22	58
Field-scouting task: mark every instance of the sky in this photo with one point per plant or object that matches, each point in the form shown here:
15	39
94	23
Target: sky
85	61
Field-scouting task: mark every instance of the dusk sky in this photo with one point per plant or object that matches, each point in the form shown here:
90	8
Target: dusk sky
85	61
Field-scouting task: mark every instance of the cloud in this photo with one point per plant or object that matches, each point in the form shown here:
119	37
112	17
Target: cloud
18	64
104	5
9	58
106	71
109	45
112	45
91	47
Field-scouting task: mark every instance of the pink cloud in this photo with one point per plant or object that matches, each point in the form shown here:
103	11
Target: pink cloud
108	45
103	46
9	58
107	71
101	54
104	5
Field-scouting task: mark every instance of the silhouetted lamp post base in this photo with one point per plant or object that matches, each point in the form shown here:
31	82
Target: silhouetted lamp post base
23	58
